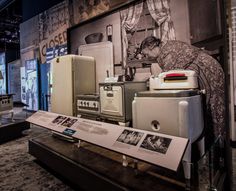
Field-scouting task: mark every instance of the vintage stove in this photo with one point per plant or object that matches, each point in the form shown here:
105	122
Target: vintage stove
116	100
173	106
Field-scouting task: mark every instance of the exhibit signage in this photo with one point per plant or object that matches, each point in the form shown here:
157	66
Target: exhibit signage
55	39
155	148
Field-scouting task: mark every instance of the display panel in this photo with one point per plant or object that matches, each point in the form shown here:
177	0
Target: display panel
3	71
31	84
155	148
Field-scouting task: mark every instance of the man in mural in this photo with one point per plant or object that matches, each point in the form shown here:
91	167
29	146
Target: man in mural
179	55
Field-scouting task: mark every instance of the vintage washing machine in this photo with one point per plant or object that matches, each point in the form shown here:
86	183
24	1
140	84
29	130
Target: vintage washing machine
173	106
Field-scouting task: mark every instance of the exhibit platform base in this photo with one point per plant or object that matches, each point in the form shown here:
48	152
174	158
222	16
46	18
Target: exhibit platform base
90	169
12	129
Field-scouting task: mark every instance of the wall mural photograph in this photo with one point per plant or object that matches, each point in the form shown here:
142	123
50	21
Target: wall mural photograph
146	35
86	9
31	85
3	74
126	28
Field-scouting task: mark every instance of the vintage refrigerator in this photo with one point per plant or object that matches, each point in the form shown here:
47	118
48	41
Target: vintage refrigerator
71	75
103	54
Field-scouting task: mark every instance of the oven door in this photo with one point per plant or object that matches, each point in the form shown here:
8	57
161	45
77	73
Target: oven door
111	98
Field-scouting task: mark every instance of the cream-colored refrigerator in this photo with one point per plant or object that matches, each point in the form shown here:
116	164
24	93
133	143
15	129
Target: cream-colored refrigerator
71	75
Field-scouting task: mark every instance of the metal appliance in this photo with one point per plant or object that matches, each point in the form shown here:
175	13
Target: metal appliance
6	105
88	105
6	102
173	106
116	99
71	75
172	112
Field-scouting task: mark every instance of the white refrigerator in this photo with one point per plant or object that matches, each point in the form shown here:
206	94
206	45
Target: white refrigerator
71	75
103	54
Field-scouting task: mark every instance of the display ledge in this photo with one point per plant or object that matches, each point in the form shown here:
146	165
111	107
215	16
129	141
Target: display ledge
12	129
91	171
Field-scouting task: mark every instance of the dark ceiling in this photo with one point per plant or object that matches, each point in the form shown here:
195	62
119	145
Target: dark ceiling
14	12
10	19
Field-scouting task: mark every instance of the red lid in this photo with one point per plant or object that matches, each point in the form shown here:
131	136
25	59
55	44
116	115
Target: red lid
175	74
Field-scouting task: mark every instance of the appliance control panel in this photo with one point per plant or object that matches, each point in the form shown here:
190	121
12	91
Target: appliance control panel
88	104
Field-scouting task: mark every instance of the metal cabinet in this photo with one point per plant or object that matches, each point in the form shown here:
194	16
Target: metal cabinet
204	19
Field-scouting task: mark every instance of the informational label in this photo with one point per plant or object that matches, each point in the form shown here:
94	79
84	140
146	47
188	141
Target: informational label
155	148
68	131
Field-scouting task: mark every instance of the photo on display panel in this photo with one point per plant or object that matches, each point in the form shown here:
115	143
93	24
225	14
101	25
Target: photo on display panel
130	137
59	119
69	122
156	143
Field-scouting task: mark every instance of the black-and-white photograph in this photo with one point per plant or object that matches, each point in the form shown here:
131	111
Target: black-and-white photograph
130	137
156	143
59	119
69	122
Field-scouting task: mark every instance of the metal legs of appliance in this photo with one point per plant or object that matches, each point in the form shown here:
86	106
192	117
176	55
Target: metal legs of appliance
188	164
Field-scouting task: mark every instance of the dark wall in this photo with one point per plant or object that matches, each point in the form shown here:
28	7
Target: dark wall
12	55
31	8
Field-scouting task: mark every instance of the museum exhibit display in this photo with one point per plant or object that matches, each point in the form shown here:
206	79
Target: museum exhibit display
141	93
124	140
149	151
78	78
31	84
10	127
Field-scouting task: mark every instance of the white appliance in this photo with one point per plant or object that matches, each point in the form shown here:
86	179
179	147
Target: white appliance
173	106
116	99
103	54
174	79
71	75
173	112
